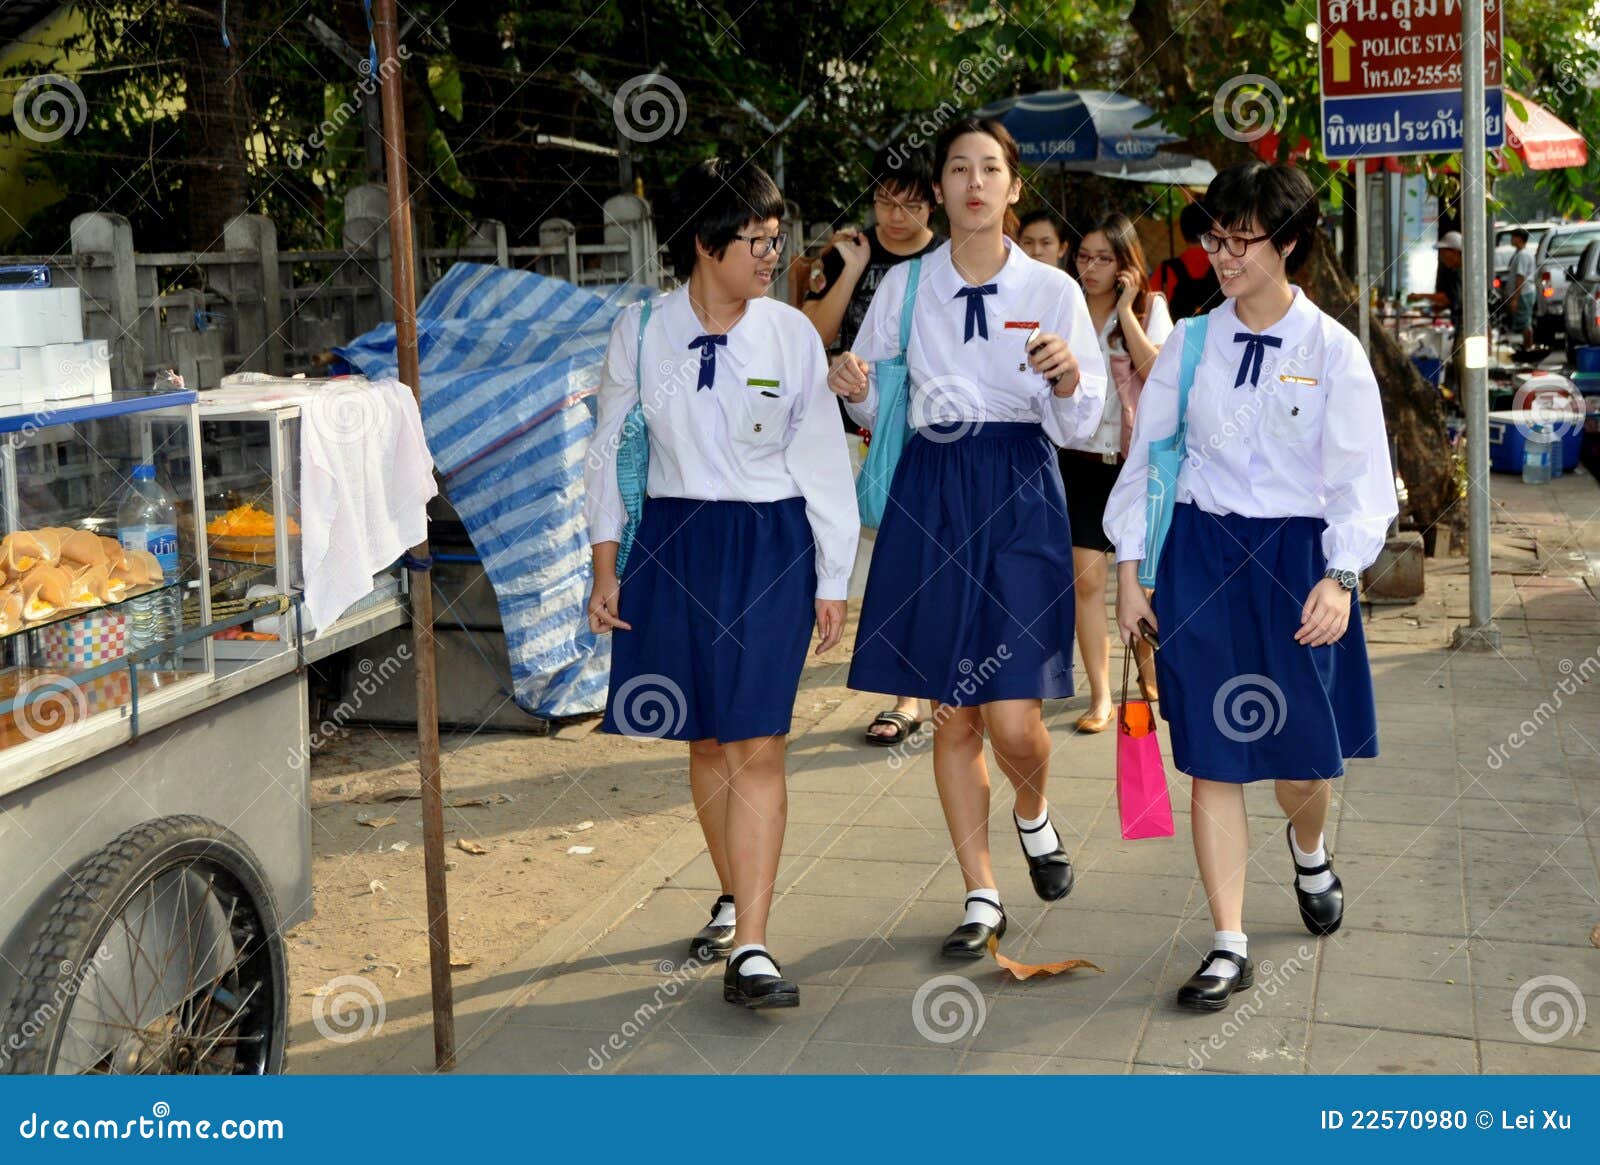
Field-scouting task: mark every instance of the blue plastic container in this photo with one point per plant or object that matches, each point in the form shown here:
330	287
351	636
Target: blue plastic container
1506	445
1589	358
1431	367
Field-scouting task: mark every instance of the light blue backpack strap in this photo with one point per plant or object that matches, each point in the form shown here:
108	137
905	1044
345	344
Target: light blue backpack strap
908	305
1194	348
638	358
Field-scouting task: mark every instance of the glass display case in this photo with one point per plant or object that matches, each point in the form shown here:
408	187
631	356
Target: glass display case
94	570
151	546
250	442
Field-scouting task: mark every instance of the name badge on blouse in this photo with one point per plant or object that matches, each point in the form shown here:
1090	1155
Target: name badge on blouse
1287	379
765	387
1029	326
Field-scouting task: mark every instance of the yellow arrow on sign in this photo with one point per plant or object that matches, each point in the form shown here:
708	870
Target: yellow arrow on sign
1341	43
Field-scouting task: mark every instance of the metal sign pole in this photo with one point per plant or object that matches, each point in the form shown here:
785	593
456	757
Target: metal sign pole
1363	276
1480	631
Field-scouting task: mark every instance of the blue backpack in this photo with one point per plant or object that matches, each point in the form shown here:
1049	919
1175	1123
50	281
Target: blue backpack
633	453
1167	455
891	427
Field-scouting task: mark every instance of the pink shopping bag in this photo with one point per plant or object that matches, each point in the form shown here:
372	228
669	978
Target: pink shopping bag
1142	800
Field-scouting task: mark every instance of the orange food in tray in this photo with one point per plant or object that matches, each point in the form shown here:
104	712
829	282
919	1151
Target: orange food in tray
246	521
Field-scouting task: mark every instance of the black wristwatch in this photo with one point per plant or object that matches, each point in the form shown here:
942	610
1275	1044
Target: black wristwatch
1345	578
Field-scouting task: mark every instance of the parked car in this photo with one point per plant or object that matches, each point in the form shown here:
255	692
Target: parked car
1581	304
1558	250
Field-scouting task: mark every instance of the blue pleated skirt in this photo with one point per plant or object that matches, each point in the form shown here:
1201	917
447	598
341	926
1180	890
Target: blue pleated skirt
1244	701
721	596
969	598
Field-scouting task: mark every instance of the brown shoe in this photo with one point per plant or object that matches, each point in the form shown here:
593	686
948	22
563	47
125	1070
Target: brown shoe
1088	724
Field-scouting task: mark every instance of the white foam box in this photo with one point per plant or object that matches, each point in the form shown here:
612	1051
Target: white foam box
33	317
77	370
12	383
59	372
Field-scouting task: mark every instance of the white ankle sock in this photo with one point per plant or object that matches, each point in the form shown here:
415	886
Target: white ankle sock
759	965
1042	839
983	906
1227	940
1311	883
724	915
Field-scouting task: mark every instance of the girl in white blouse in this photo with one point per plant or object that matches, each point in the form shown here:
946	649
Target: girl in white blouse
1132	324
747	537
969	598
1285	495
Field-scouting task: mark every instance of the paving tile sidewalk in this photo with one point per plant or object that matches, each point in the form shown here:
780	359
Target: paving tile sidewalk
1469	852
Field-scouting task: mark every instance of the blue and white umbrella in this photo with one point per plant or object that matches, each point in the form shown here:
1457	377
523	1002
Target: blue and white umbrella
1085	129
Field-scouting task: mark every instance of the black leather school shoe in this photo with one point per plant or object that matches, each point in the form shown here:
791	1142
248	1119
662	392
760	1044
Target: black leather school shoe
1050	873
711	940
756	991
970	940
1322	913
1211	992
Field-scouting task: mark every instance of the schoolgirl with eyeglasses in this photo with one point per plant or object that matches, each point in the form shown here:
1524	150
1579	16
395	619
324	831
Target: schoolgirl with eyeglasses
1285	495
746	539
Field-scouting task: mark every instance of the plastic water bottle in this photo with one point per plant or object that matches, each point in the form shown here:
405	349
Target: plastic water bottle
1555	454
1536	455
147	520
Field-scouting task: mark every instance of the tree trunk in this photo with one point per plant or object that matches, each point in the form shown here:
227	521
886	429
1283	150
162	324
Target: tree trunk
216	181
1411	405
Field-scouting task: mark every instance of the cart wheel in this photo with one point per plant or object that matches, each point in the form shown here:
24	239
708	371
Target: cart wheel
163	956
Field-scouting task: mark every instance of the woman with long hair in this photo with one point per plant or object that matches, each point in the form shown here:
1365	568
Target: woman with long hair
969	599
1131	323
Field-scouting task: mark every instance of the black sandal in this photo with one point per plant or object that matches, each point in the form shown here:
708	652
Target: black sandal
756	991
903	725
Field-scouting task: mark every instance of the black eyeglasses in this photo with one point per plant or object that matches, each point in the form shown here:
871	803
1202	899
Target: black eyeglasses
763	245
1237	245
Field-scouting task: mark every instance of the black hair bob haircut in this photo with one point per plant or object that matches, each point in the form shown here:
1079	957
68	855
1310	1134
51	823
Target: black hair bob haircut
905	172
714	200
1192	221
1280	199
1045	215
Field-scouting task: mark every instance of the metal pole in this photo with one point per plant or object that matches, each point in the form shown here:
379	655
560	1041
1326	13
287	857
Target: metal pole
1363	276
1480	630
403	260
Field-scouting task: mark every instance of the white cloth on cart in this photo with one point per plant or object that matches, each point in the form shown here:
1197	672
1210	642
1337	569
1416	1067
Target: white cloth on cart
366	477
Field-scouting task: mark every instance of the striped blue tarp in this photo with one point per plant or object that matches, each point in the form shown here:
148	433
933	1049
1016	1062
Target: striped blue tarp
508	358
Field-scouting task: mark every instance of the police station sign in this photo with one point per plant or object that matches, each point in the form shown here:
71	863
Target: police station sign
1391	76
